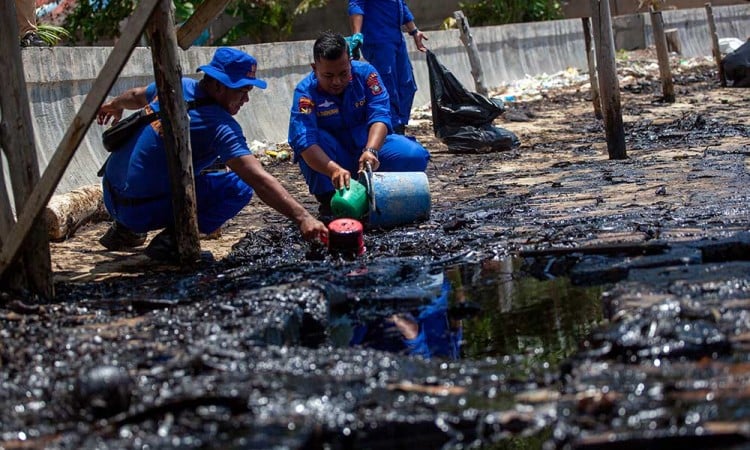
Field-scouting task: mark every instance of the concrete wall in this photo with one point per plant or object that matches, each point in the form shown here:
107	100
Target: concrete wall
582	8
58	79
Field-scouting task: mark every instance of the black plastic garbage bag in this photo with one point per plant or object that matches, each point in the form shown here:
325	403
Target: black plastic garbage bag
736	66
483	139
463	119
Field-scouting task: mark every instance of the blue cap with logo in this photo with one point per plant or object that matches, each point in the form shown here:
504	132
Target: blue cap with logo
233	68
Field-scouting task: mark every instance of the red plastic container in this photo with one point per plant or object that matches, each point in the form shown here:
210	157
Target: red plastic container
345	236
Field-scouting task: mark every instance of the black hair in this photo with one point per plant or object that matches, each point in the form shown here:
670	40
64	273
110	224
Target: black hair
330	46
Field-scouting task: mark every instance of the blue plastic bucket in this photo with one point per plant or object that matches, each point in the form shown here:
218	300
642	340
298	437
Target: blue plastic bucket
397	198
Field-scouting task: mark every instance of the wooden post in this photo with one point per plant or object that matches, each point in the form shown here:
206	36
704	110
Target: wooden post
175	130
6	210
715	44
591	58
667	84
34	271
673	40
206	13
76	131
608	83
471	48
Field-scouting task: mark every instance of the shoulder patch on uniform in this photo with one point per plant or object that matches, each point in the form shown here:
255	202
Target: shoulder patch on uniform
373	82
306	105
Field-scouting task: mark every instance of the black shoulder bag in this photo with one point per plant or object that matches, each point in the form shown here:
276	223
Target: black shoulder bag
115	137
118	134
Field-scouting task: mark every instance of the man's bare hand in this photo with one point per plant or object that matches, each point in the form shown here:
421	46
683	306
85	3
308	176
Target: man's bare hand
418	38
340	178
368	157
108	112
312	229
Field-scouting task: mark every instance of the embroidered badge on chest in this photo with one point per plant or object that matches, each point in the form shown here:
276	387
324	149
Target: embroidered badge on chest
373	82
327	109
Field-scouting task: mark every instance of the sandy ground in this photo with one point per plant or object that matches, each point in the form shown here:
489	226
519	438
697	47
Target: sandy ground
561	173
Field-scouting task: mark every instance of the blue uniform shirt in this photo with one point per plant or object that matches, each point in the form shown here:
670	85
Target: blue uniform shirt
139	169
384	19
347	118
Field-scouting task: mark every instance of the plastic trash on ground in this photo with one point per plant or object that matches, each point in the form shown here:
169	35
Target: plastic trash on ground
728	45
267	152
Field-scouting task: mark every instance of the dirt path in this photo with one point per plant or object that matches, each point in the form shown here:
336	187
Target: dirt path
686	175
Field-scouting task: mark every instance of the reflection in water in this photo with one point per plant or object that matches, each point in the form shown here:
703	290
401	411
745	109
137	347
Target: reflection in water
425	330
539	319
520	315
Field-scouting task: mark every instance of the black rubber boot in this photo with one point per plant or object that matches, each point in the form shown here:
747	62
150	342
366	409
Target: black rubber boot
163	247
119	237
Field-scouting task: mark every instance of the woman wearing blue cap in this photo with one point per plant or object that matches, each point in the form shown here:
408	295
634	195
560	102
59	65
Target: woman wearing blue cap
136	186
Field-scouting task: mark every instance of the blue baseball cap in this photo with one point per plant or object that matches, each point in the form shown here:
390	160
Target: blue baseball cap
233	68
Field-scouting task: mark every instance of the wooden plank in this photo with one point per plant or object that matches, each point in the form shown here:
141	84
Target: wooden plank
34	269
608	83
175	130
206	13
8	47
76	131
7	218
662	54
8	38
716	50
468	40
591	58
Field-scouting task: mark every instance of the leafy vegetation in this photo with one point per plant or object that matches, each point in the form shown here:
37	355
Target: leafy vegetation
51	34
257	20
498	12
260	21
272	20
95	20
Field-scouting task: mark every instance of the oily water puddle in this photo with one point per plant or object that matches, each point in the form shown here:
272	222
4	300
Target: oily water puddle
439	336
286	346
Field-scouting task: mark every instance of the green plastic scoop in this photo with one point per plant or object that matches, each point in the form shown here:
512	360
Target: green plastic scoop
350	203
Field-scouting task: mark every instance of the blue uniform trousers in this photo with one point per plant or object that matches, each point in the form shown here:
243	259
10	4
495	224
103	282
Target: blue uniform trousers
392	62
398	154
219	196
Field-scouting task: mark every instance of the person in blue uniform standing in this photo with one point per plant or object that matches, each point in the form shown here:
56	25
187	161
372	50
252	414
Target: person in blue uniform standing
340	122
376	28
136	184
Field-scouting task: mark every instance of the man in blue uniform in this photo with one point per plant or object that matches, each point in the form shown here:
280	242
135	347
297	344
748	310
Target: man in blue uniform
376	27
340	121
136	182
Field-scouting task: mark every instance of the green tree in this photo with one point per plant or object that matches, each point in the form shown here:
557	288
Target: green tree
258	20
498	12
